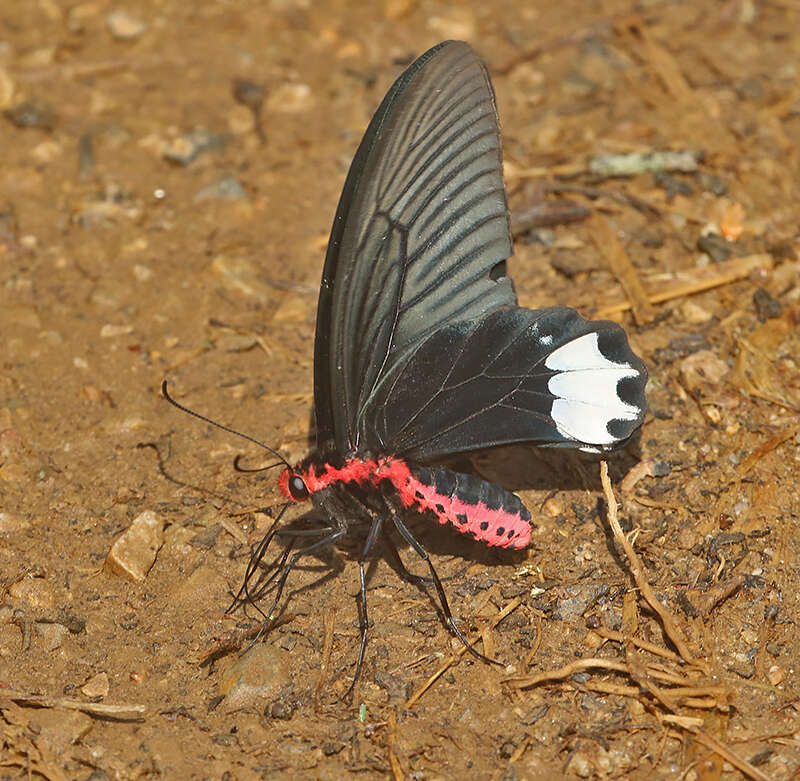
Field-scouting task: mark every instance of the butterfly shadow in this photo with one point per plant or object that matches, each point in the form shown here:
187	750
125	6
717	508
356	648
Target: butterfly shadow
549	469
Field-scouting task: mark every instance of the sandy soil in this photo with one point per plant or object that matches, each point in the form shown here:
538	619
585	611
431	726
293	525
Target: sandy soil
123	261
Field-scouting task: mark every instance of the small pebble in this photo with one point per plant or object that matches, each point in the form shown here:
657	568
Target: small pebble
766	306
695	314
47	151
581	765
124	27
281	709
36	592
189	146
242	276
142	273
553	507
207	538
12	522
109	330
32	113
290	98
226	189
125	425
776	675
258	674
717	247
134	552
52	635
92	393
235	343
571	264
96	686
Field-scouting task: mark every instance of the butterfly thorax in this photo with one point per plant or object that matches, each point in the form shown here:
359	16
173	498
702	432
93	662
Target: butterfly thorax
323	470
483	510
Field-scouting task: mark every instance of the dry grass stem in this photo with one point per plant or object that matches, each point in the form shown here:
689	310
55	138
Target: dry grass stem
637	570
620	264
98	709
328	622
619	637
693	281
447	664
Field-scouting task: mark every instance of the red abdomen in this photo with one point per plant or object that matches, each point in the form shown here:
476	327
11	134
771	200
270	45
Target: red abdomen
483	510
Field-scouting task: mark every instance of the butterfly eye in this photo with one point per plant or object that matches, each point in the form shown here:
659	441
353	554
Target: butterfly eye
297	488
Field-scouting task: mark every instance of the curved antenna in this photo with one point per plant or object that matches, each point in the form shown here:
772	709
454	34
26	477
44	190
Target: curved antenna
246	470
219	425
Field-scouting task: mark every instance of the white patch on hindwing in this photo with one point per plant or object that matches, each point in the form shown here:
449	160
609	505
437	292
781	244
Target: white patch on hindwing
586	394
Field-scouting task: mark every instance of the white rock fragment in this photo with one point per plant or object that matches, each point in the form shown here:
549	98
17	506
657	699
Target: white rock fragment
257	676
142	273
776	675
47	151
124	27
457	23
96	686
241	276
52	635
7	89
134	552
110	330
12	522
290	98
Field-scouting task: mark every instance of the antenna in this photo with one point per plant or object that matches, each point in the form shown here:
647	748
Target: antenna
219	425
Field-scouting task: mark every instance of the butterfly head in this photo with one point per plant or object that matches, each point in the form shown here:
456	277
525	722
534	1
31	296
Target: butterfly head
292	485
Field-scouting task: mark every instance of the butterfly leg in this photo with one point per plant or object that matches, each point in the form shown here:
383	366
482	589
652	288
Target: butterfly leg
253	592
406	534
255	561
288	566
374	532
405	574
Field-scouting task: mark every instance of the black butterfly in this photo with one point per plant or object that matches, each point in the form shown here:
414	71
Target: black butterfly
421	350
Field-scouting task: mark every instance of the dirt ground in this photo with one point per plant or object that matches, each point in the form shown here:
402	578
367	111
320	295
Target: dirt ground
159	219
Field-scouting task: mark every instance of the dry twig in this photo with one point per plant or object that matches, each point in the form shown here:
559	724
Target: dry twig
694	281
97	709
447	664
620	264
637	570
391	739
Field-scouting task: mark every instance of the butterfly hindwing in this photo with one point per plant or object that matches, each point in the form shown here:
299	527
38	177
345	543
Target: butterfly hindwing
545	376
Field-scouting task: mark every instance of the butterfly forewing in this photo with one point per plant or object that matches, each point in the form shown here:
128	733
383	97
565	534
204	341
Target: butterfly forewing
421	225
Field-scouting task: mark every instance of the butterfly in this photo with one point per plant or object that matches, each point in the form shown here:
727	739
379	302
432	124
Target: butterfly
421	349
